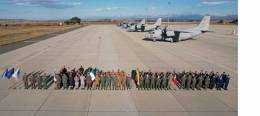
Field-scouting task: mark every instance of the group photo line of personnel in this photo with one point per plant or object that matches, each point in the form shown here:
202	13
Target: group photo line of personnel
146	80
81	78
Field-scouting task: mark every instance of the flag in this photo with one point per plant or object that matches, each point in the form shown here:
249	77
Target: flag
4	75
9	73
92	75
54	77
174	80
16	74
137	77
174	77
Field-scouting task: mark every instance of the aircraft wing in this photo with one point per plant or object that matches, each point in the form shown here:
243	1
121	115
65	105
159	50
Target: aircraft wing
182	31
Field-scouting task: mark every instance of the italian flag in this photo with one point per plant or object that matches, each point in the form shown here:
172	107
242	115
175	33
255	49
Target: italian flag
92	74
137	77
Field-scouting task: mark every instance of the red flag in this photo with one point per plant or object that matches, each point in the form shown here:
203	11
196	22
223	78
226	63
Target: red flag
174	80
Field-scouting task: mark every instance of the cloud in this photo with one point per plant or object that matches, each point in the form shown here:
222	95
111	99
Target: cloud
109	9
56	4
214	2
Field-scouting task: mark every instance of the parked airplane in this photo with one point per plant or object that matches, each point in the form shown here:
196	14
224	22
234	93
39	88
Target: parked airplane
179	35
147	28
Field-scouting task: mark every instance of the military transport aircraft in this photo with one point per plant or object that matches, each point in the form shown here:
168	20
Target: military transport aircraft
179	35
144	28
139	25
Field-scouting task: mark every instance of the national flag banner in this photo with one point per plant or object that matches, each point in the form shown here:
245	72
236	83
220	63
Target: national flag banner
10	73
174	79
137	77
4	75
54	77
16	74
92	75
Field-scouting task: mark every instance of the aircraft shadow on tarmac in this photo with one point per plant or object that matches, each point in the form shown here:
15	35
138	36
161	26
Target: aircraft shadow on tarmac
147	39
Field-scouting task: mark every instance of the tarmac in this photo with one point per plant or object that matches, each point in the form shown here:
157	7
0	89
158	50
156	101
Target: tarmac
110	47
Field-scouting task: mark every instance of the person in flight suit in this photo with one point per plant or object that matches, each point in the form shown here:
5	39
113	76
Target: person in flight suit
183	80
128	81
25	81
188	77
146	81
152	82
194	81
164	81
207	81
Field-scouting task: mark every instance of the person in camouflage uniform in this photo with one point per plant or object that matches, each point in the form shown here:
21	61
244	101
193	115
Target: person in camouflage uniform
25	81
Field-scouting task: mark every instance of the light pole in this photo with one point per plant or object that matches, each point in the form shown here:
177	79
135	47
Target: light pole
169	3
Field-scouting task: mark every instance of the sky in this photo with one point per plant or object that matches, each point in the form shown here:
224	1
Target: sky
64	9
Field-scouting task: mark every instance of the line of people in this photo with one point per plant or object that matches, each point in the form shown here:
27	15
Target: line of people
203	80
183	80
37	80
95	79
82	79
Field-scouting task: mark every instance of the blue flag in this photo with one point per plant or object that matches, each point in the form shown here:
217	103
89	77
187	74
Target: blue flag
4	75
10	73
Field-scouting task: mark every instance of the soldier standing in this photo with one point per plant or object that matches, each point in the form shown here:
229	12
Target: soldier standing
97	80
102	80
64	81
207	81
128	81
88	81
123	81
164	81
146	81
152	82
106	80
33	81
39	81
183	80
170	81
219	82
200	79
76	78
189	76
157	81
25	80
45	81
215	80
71	80
142	80
113	81
212	80
82	81
194	81
109	81
58	77
226	82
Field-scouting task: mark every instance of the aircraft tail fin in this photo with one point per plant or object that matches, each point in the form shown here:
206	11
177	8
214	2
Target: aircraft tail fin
158	22
204	24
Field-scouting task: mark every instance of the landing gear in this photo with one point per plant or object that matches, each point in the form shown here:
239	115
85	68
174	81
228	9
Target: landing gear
172	40
154	40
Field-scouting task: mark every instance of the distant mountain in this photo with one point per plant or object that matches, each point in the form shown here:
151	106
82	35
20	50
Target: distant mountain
173	17
185	17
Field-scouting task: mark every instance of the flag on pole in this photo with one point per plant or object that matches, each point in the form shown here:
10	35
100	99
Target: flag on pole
174	80
137	77
174	77
54	77
10	73
16	74
92	74
4	75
